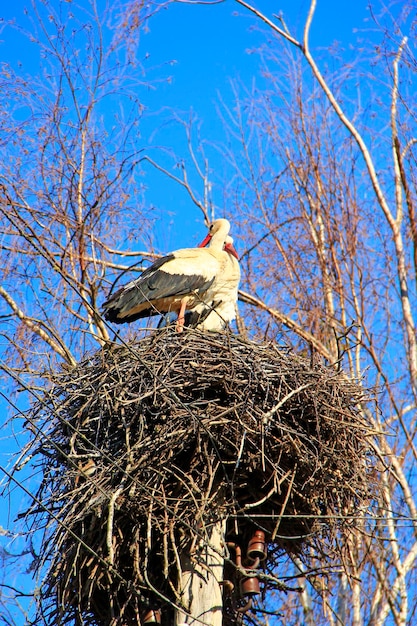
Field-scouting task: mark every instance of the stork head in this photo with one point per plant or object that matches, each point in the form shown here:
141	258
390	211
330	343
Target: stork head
229	247
219	229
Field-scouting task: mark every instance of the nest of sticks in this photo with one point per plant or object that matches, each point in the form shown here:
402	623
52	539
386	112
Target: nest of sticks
146	445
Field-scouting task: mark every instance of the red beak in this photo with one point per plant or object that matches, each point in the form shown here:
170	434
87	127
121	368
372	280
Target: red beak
205	241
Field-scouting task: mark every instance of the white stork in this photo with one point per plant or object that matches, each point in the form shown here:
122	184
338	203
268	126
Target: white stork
203	280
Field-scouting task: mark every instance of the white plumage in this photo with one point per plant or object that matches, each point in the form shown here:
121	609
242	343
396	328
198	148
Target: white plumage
204	281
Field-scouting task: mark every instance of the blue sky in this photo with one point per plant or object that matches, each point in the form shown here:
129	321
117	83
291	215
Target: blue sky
190	55
202	51
209	47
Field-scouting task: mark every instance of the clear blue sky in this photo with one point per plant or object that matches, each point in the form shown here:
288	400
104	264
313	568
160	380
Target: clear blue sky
190	54
210	46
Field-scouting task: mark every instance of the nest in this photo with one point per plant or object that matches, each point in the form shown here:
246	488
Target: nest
146	445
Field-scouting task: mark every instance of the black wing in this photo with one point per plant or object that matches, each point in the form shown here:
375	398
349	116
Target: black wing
137	299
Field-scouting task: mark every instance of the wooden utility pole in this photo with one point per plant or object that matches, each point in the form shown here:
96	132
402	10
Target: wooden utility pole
200	580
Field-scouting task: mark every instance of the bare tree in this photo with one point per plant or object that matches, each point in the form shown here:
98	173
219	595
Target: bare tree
71	197
69	176
329	204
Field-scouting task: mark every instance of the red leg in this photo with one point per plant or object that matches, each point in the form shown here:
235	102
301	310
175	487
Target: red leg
181	316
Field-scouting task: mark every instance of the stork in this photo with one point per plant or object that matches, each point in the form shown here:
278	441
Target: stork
203	280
